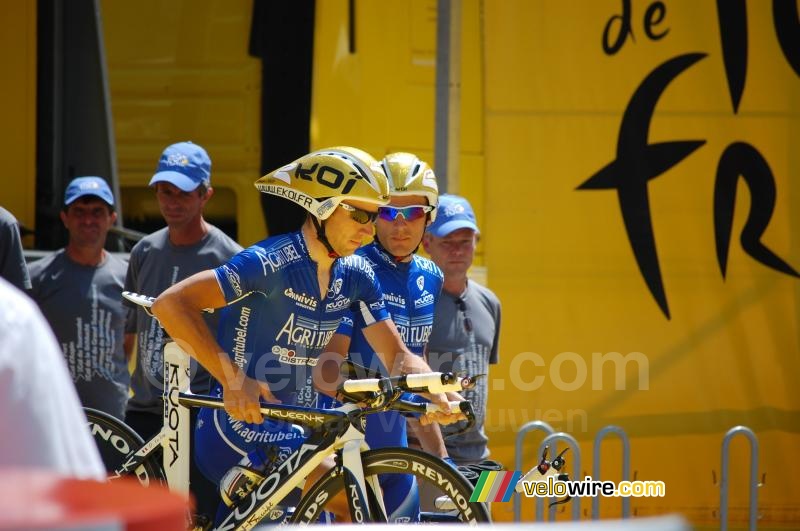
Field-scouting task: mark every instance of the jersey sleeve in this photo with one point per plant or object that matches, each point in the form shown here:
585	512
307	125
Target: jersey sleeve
345	326
368	307
243	274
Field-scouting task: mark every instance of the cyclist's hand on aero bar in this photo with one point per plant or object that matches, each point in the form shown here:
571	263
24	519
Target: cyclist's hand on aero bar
242	402
446	415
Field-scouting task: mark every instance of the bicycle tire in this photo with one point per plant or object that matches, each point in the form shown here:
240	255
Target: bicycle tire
115	440
395	461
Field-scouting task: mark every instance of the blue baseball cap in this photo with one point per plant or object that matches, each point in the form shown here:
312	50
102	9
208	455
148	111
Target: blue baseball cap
453	213
83	186
185	165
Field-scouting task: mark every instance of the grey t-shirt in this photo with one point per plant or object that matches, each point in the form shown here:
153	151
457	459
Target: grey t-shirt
155	265
83	305
456	346
12	261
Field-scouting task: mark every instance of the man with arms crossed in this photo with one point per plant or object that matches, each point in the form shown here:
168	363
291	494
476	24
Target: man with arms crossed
187	244
466	326
79	290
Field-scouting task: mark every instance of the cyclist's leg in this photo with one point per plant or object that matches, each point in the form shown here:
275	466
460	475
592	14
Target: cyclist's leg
213	454
337	505
206	492
400	497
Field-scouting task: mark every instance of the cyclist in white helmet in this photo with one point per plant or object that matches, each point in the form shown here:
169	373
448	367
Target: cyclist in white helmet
411	285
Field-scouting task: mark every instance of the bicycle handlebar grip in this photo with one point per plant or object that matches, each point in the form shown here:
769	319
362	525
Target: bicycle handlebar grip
367	385
430	407
361	386
433	382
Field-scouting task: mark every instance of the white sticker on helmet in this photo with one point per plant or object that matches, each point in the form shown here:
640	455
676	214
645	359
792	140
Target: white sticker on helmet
284	173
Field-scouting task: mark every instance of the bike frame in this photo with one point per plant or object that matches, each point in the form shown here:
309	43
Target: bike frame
333	432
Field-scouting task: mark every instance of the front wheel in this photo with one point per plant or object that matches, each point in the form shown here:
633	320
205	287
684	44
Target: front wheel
429	470
116	442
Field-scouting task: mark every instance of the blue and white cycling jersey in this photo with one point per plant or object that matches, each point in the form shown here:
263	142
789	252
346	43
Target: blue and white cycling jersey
275	328
410	290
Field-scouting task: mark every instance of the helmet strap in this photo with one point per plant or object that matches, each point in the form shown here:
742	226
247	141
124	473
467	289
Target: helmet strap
320	226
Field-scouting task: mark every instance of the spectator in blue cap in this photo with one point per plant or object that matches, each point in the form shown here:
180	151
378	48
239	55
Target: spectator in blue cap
466	323
187	245
184	165
79	290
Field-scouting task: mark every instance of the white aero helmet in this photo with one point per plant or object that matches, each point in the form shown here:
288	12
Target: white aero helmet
408	175
320	180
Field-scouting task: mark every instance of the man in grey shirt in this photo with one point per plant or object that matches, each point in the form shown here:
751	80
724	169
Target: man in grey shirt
466	323
187	245
79	290
12	260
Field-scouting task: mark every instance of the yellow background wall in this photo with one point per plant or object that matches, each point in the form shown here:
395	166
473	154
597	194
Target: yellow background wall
561	263
381	97
180	70
18	108
541	110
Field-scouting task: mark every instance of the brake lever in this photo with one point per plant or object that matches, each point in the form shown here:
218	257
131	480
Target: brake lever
469	412
470	382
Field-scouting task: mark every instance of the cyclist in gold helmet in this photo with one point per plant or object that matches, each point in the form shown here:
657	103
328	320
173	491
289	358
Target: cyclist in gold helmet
411	285
290	292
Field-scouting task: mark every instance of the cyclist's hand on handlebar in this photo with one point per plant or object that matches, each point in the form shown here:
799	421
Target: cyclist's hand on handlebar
446	414
243	402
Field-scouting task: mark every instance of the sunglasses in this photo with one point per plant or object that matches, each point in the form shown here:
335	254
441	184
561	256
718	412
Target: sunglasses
462	307
409	213
359	216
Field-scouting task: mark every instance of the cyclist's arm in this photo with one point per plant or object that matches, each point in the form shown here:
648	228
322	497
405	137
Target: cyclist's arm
429	436
179	309
326	372
385	340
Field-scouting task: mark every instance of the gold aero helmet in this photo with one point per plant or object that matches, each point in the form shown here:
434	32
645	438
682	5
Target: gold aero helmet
409	175
320	180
